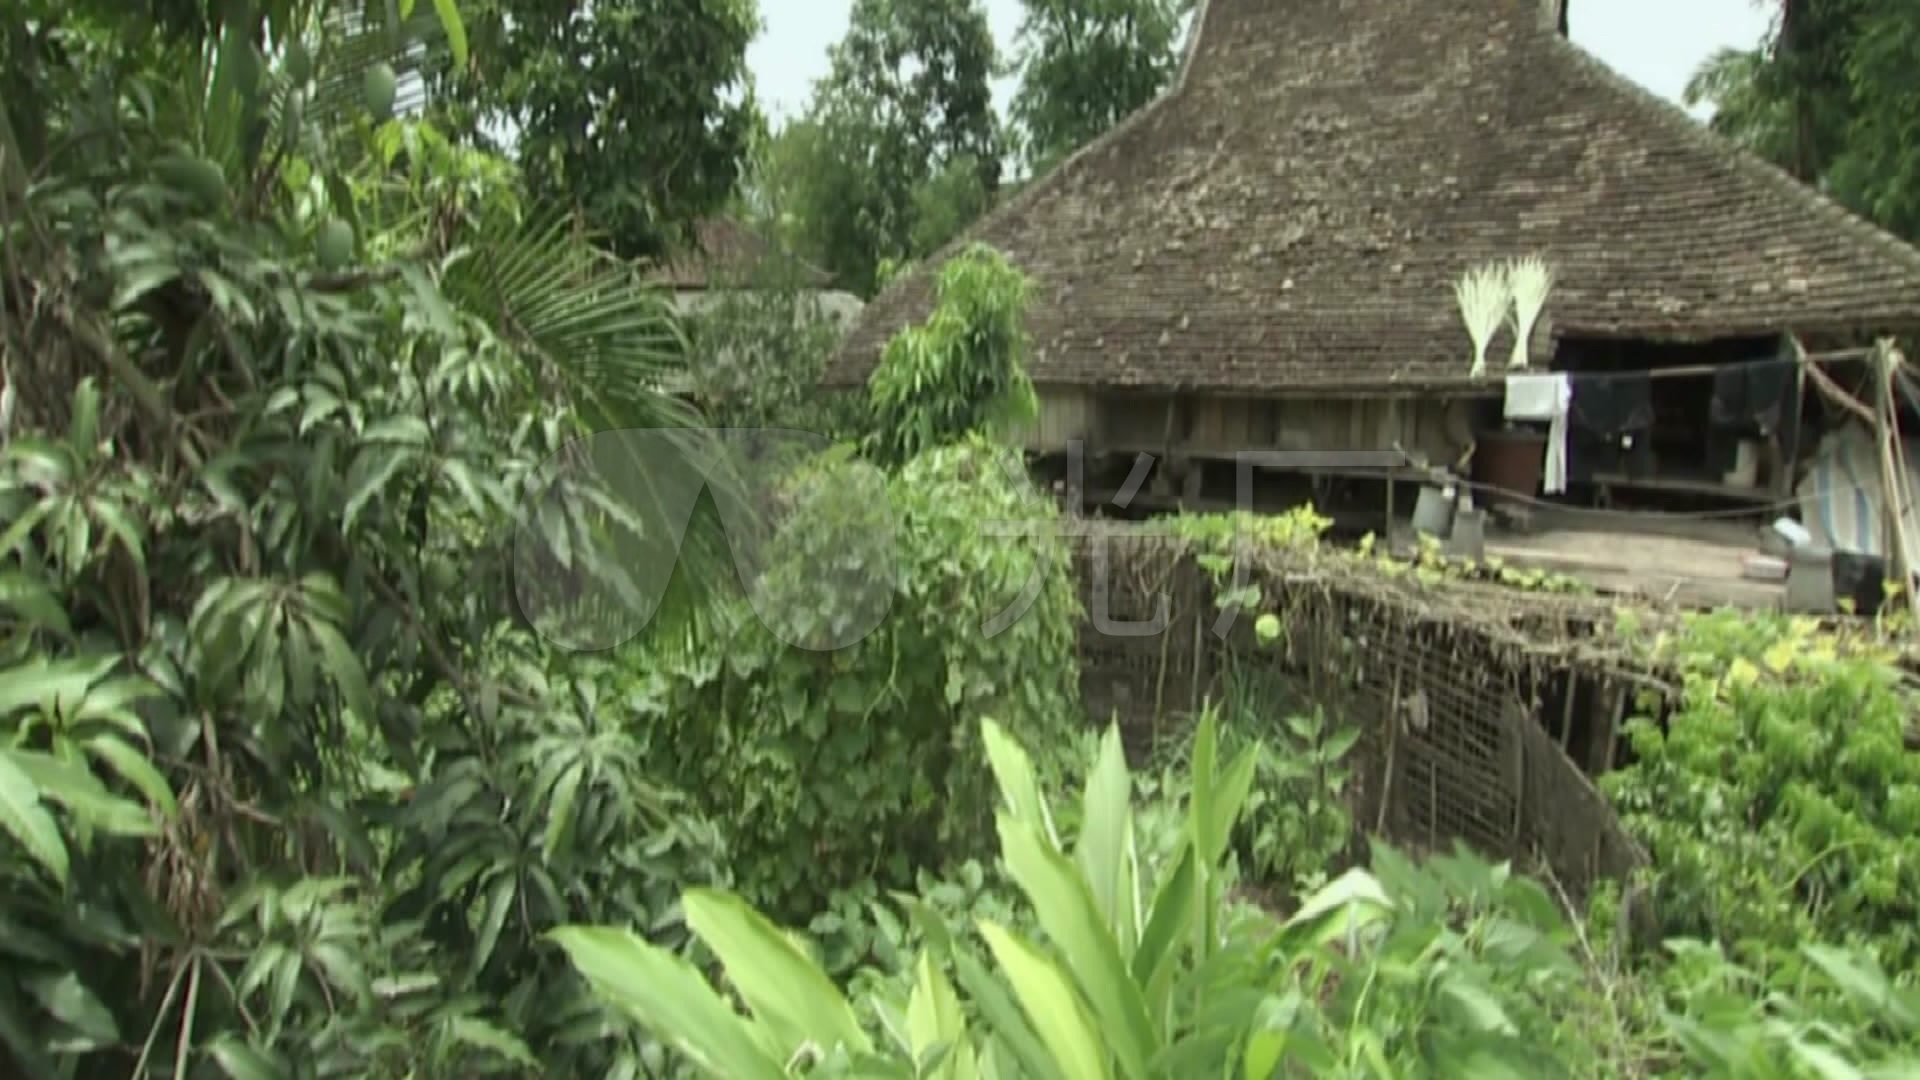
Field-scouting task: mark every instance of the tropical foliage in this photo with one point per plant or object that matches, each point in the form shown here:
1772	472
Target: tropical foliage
1142	968
307	769
1830	96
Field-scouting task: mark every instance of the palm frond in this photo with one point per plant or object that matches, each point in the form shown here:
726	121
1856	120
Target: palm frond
599	343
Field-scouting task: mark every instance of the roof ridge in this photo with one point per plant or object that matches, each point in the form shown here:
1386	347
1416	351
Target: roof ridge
1739	158
1039	184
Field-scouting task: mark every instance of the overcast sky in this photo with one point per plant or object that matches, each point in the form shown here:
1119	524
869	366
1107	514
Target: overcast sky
1655	42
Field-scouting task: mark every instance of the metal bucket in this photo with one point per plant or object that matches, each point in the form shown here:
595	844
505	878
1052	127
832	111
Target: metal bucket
1433	510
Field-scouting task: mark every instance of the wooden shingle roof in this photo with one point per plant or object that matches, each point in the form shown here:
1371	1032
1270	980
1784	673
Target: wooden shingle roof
1293	212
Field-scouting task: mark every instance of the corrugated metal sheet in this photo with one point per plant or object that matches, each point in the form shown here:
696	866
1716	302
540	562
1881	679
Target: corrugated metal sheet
1840	496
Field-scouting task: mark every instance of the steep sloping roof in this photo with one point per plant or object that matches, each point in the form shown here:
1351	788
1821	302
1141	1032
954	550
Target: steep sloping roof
724	253
1294	211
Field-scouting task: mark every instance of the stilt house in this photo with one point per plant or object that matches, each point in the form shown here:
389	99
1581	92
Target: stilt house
1265	257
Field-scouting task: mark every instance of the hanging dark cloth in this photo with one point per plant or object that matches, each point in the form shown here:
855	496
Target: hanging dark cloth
1861	578
1610	425
1758	399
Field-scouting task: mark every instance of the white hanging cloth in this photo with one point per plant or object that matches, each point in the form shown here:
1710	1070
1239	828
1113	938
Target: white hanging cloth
1548	397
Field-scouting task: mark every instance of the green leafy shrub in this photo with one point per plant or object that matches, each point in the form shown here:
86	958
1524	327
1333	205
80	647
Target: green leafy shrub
1779	802
964	370
830	766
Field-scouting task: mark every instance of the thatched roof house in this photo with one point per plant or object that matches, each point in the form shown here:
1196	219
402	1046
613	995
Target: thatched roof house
1291	215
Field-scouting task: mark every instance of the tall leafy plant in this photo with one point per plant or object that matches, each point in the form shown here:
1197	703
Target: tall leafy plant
964	370
1105	1000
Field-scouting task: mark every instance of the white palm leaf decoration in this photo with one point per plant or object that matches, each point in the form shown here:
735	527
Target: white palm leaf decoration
1483	298
1530	281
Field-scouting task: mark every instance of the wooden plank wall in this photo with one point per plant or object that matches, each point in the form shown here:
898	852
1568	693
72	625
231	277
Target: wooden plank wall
1435	428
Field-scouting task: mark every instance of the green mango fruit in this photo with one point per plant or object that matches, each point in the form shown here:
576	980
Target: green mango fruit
194	176
335	244
381	86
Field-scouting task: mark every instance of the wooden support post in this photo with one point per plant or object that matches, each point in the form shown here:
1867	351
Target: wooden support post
1566	711
1622	696
1393	425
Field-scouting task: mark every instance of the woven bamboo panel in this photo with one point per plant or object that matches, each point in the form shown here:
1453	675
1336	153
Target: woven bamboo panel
1444	689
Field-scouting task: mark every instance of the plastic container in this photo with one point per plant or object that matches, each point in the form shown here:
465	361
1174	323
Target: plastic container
1511	462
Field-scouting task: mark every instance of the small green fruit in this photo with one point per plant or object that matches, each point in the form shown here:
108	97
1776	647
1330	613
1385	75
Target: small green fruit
381	85
299	65
335	244
194	176
293	118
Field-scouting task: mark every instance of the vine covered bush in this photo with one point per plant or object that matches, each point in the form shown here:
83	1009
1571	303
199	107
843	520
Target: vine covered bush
866	757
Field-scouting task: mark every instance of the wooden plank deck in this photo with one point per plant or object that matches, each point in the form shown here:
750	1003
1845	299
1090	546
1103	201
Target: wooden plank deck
1688	571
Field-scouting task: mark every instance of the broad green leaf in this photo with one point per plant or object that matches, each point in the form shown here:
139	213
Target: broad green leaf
665	995
1347	903
1106	838
57	686
372	469
475	1032
74	787
560	808
1229	798
83	427
1049	1001
1200	769
1013	769
450	21
1010	1036
782	986
122	527
25	1038
935	1020
1482	1008
492	919
31	600
435	304
1865	983
241	1061
1824	1062
344	666
1067	913
70	1002
399	430
1169	921
135	769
